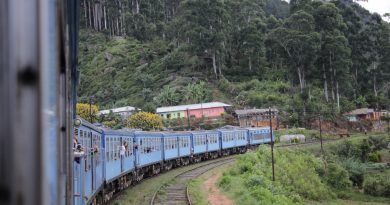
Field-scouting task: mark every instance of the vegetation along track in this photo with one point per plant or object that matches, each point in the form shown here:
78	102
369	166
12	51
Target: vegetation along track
176	192
307	143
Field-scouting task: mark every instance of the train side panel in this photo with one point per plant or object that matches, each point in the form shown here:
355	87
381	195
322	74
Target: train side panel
184	145
213	141
199	141
128	160
149	148
118	162
228	138
242	137
259	135
88	168
112	160
171	146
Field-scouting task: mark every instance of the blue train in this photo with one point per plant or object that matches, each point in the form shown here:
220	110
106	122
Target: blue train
111	161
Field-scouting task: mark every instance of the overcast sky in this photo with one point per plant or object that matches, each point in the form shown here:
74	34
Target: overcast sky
378	6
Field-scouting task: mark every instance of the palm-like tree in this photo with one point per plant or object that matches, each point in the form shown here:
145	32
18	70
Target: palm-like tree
168	96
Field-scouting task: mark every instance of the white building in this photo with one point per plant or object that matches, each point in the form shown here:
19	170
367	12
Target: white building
124	112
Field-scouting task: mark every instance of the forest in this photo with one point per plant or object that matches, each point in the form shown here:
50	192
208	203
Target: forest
302	57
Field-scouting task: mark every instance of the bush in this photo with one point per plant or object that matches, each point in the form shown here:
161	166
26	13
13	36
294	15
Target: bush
374	157
347	149
145	121
377	185
356	171
297	178
377	142
337	177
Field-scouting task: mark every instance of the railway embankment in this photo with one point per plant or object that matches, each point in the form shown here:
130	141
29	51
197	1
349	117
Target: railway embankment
348	171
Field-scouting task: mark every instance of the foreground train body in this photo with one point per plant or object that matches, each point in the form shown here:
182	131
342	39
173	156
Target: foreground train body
113	160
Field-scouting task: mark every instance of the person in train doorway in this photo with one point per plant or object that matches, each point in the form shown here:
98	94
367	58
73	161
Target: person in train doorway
78	150
122	150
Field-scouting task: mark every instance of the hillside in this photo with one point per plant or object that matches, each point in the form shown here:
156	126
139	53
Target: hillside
302	57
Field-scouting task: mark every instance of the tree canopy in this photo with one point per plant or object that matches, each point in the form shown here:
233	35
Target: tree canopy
297	56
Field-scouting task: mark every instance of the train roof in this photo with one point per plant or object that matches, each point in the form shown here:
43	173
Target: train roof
176	133
257	128
119	132
88	124
203	131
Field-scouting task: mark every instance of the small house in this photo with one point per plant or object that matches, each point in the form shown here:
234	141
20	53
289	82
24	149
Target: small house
124	112
257	117
210	110
362	114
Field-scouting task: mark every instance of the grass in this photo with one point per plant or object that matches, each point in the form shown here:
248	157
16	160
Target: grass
142	193
354	138
355	198
352	197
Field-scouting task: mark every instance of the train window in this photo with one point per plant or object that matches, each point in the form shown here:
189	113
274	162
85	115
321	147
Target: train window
107	150
151	147
113	146
141	149
155	144
130	147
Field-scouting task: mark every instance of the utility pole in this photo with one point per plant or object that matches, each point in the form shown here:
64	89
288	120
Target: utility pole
188	119
388	121
322	148
272	145
90	108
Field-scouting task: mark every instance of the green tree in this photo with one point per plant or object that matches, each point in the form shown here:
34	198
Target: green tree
86	111
299	43
167	96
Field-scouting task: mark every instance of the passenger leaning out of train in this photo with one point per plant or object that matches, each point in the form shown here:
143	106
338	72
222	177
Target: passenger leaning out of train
122	150
78	150
95	150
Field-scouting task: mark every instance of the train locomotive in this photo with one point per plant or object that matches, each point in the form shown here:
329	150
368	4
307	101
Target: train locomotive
111	161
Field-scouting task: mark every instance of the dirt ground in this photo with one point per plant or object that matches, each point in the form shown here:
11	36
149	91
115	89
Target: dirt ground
214	195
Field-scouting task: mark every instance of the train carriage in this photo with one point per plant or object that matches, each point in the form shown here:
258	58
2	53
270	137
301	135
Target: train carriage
259	135
176	149
233	140
88	168
205	144
118	162
149	153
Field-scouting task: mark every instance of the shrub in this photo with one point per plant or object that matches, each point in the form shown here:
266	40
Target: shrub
297	178
374	157
356	171
145	121
377	142
347	149
337	177
377	185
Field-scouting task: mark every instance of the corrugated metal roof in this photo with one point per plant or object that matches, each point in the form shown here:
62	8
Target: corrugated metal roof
254	111
191	107
361	111
119	109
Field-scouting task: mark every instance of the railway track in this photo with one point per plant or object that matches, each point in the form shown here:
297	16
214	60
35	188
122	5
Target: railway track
176	192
